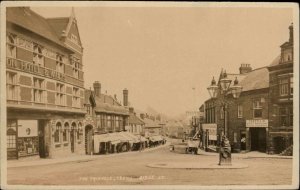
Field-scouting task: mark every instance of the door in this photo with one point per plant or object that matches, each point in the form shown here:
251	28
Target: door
41	133
72	139
88	139
243	140
258	139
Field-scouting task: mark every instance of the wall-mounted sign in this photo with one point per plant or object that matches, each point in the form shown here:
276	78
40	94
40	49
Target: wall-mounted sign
27	128
257	123
212	130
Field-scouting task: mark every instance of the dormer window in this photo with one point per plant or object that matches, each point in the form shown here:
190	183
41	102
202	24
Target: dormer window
11	47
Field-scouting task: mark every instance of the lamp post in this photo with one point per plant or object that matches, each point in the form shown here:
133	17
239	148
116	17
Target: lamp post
222	91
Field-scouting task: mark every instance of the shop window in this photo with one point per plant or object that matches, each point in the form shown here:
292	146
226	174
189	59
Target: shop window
283	86
286	116
240	111
60	94
11	86
38	90
257	109
65	132
11	50
57	132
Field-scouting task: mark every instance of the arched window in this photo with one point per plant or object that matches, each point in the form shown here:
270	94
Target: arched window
38	57
79	132
56	133
10	47
65	132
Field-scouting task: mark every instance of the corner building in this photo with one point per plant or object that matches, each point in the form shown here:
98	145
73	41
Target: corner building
44	85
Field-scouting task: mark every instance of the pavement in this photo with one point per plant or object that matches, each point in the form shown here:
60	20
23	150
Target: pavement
196	165
37	161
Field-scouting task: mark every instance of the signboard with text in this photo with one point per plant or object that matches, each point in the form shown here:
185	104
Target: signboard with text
212	130
257	123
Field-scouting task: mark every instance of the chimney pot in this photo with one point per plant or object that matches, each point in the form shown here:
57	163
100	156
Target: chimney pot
125	97
245	68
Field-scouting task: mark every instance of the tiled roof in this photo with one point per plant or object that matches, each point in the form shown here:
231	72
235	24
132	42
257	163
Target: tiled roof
149	123
58	24
133	119
109	108
28	19
256	79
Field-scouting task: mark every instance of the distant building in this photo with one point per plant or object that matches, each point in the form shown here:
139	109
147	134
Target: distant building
152	126
135	124
281	95
44	85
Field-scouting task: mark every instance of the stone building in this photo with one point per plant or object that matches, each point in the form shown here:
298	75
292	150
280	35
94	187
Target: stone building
281	95
44	85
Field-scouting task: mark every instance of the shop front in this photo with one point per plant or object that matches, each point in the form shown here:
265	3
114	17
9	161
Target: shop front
209	137
256	135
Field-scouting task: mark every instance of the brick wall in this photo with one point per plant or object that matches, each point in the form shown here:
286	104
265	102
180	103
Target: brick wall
25	93
25	80
24	54
50	63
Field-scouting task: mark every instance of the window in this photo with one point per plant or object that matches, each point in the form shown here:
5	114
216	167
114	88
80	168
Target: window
38	57
286	116
283	86
60	96
221	113
38	90
11	141
109	127
103	124
74	38
65	132
257	108
240	111
59	63
76	98
291	85
88	109
11	86
56	133
79	132
117	123
11	50
75	62
291	113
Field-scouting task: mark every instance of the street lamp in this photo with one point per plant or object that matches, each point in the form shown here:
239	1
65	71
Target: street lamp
222	90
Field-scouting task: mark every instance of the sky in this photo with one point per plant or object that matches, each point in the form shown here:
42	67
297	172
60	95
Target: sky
166	56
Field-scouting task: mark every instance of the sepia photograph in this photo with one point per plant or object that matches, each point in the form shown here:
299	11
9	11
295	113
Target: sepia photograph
149	95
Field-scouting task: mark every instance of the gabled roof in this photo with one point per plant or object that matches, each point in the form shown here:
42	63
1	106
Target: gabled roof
133	119
28	19
256	79
102	105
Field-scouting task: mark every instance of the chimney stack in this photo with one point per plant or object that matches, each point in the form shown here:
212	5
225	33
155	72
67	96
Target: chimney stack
142	116
131	110
245	68
97	88
115	96
291	33
125	97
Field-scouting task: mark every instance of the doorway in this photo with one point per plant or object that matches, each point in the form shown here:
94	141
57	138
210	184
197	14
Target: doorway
243	140
41	134
258	139
72	139
279	144
88	139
